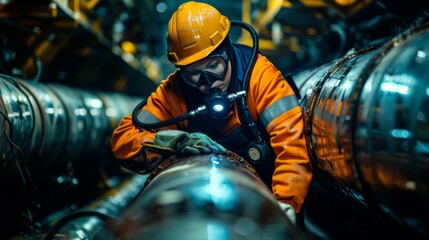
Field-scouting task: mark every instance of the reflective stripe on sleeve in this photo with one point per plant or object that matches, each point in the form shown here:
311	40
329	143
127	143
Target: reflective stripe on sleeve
276	109
147	117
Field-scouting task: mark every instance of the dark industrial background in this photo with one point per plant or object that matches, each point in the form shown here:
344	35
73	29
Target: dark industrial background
119	47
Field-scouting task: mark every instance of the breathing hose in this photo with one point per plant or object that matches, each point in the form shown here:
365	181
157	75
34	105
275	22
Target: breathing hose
259	150
168	122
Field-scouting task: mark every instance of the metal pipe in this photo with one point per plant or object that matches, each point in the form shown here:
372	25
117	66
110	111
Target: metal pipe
200	197
367	126
45	125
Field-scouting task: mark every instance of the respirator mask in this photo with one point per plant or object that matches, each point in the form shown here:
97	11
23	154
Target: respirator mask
218	103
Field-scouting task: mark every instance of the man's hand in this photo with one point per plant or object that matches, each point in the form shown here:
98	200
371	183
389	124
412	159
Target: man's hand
187	143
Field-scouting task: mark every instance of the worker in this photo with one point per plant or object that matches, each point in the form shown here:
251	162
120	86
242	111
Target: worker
208	63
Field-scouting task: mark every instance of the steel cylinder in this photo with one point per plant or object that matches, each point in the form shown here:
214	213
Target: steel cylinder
193	197
20	124
366	118
206	197
46	125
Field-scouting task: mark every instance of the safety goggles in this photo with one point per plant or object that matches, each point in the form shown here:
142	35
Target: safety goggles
216	68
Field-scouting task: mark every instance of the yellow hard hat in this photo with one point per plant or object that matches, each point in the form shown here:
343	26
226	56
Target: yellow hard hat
194	31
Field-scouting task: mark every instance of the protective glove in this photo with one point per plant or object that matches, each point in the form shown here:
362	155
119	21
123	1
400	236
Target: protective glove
186	143
289	211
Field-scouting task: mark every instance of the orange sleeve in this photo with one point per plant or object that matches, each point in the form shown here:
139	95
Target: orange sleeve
293	172
128	140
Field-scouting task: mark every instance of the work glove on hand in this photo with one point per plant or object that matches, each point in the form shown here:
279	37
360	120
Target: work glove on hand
289	211
186	143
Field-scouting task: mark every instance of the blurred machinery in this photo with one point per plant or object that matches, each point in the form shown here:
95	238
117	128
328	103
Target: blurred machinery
302	34
71	69
78	43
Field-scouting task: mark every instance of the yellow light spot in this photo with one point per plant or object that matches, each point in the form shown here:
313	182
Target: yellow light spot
128	47
345	2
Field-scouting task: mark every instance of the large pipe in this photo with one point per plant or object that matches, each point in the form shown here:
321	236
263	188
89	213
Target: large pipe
46	125
197	197
54	148
367	126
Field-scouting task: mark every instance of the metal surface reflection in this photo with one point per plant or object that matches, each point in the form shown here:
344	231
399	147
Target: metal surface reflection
54	142
367	128
49	122
208	197
197	197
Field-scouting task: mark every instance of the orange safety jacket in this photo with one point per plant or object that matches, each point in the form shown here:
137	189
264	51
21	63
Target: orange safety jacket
272	104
